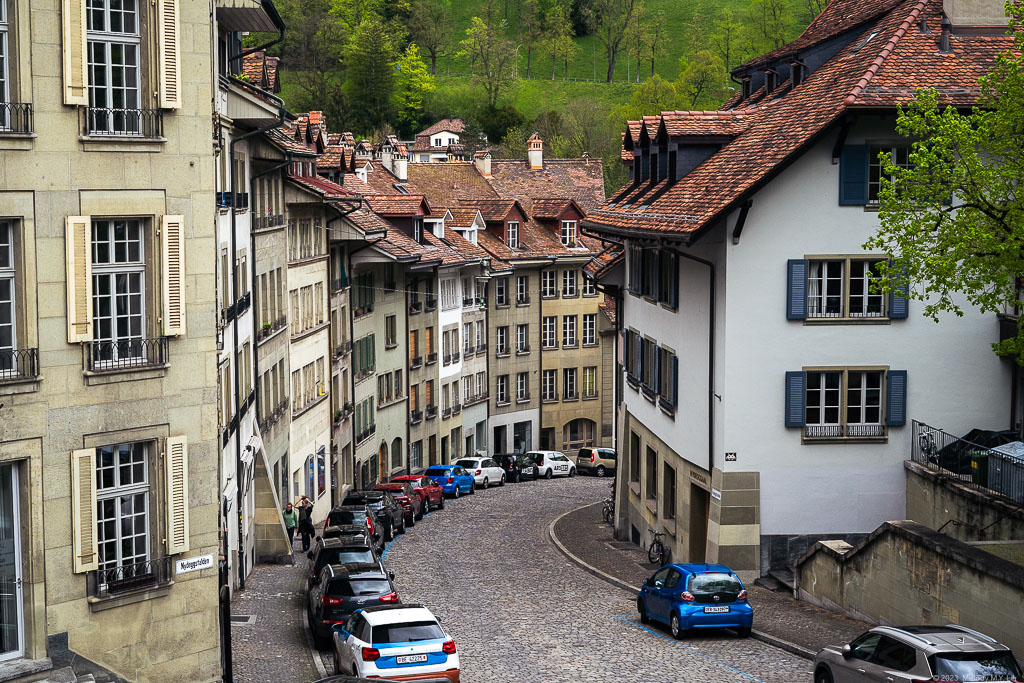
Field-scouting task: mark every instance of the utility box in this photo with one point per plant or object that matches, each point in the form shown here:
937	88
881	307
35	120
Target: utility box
1006	470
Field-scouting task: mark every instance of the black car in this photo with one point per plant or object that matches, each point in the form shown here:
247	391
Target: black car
355	532
341	589
344	550
517	467
360	515
389	513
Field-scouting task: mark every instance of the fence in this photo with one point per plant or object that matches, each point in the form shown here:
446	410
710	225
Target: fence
978	467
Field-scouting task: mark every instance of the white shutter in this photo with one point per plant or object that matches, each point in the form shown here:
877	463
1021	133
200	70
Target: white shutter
176	461
73	47
83	510
78	248
170	54
172	245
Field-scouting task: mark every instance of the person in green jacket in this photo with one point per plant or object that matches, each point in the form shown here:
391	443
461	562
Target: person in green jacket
291	521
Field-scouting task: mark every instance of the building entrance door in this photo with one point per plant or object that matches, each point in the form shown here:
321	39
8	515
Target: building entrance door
699	504
12	636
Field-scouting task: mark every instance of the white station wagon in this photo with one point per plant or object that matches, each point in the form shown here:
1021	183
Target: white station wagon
552	464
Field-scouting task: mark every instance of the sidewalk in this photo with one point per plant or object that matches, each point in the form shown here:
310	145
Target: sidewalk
780	620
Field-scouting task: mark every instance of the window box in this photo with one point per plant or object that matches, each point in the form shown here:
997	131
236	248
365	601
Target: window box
431	358
431	412
415	362
456	409
430	305
415	307
415	416
456	357
446	413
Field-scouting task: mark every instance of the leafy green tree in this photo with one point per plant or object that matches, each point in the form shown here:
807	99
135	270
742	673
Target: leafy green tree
513	145
531	29
490	54
412	83
613	19
637	38
314	46
370	72
473	137
973	246
770	22
352	13
702	80
653	96
497	121
558	37
430	24
657	34
727	39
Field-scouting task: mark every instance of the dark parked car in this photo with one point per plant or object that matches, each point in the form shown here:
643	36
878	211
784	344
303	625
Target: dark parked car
389	513
517	467
345	550
428	490
358	533
359	514
404	495
341	589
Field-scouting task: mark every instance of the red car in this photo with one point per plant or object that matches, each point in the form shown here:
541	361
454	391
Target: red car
431	494
405	495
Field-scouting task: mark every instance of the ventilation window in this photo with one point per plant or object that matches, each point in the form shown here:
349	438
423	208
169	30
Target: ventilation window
867	40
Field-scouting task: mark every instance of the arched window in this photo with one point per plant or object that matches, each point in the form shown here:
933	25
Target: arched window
578	433
321	471
396	453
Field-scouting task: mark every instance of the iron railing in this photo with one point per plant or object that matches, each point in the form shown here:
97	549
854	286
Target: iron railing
127	354
446	413
431	358
978	467
456	408
415	307
15	117
431	412
415	362
270	328
18	364
104	583
456	356
140	123
850	431
415	416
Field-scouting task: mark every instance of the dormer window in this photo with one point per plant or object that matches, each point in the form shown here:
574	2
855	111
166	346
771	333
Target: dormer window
417	230
771	80
513	235
645	163
798	73
745	87
568	233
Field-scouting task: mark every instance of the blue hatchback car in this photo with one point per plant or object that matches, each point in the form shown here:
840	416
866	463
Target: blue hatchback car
687	596
454	479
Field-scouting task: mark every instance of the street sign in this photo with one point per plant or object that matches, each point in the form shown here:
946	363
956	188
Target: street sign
716	494
193	564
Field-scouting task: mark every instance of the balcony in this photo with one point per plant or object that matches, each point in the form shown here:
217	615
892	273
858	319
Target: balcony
415	416
15	117
126	355
431	412
416	362
274	416
446	413
18	364
430	304
431	358
360	312
236	200
468	301
415	307
268	329
447	360
136	123
366	433
456	357
481	348
106	583
338	284
343	348
840	431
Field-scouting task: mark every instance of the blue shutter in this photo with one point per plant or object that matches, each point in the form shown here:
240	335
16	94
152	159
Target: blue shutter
896	398
656	384
675	380
656	285
796	396
674	296
853	175
796	292
627	340
898	301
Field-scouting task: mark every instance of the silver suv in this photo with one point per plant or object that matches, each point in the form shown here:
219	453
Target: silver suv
917	653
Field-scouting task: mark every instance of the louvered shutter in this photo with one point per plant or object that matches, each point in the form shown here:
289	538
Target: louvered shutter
170	54
172	244
78	254
674	298
73	48
853	175
83	510
896	398
796	388
656	365
796	291
656	284
898	307
176	462
675	381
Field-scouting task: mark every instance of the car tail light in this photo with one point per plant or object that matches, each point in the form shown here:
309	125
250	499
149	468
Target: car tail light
479	472
369	523
742	595
449	647
328	600
390	597
686	596
591	456
327	522
451	480
370	654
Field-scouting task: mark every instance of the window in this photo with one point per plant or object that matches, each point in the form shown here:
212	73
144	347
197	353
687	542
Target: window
548	338
364	293
522	338
569	283
119	285
669	493
467	338
415	360
417	230
365	356
501	389
842	288
635	268
668	379
548	390
900	155
590	382
634	457
569	330
569	384
522	289
416	456
589	287
390	332
652	473
429	393
589	329
578	433
467	388
449	294
481	336
481	382
501	291
122	504
428	336
8	325
828	415
113	55
501	346
513	234
568	234
5	55
446	393
548	287
522	387
389	276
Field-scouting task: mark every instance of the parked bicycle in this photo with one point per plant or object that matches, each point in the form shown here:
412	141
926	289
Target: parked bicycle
608	511
658	552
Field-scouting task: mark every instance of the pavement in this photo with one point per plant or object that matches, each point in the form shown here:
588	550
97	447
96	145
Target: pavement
779	619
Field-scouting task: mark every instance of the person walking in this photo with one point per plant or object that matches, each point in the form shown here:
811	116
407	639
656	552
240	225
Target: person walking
306	522
291	522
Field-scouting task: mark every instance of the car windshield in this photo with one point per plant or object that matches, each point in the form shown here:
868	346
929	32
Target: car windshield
347	517
437	472
706	584
407	633
345	555
465	462
524	460
347	588
975	666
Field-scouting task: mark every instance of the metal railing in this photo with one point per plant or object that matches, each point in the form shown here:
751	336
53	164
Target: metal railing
431	412
430	304
15	117
415	416
415	362
141	123
978	467
852	431
18	364
456	408
415	307
267	329
128	354
447	412
817	309
104	583
456	356
447	359
431	358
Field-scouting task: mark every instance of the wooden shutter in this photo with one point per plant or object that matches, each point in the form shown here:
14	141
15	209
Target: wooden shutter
796	388
656	371
75	63
83	510
78	253
898	307
796	294
674	298
169	70
896	398
853	175
172	245
176	462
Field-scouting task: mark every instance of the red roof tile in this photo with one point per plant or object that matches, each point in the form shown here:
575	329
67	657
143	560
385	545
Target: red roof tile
579	179
398	204
443	182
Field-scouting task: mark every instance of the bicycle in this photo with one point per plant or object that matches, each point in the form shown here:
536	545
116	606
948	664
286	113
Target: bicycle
658	552
608	511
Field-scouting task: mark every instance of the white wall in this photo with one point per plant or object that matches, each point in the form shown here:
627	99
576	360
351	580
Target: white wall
531	415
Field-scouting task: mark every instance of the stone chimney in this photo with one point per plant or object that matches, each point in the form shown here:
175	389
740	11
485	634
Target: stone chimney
970	16
400	167
483	163
535	151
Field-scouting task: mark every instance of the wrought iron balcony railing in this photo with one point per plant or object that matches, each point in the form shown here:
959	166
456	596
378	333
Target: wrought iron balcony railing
15	117
104	583
140	123
127	354
18	364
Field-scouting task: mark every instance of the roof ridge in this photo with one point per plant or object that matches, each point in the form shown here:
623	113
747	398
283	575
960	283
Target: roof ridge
878	61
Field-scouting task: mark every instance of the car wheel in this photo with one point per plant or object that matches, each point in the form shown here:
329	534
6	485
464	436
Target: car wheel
456	494
675	627
644	619
502	482
743	632
472	488
409	521
572	472
486	483
389	533
402	530
599	471
547	475
823	675
440	503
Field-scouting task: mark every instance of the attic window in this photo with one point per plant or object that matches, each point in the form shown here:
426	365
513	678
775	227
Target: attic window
745	87
513	235
865	41
798	72
417	230
771	80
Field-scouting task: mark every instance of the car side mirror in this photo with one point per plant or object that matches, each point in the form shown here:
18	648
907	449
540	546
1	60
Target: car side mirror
391	575
645	582
846	651
340	628
309	555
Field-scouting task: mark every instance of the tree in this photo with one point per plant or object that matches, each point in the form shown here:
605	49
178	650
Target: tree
351	13
490	54
314	45
814	8
656	37
726	38
497	121
972	247
770	21
473	137
613	18
650	97
412	83
431	26
531	28
637	38
558	37
513	145
702	80
370	72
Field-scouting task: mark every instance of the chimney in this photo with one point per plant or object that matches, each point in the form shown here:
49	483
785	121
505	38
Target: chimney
400	167
535	151
483	163
976	16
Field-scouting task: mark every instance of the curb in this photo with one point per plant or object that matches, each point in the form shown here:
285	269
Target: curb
766	638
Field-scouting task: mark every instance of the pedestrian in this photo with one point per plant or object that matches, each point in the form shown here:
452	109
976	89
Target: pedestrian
305	522
291	521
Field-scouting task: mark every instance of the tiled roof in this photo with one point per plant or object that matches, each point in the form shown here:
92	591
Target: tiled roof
397	204
323	187
445	182
350	181
382	181
881	72
604	260
453	125
550	208
368	221
262	70
609	309
579	179
699	123
284	139
462	217
491	209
